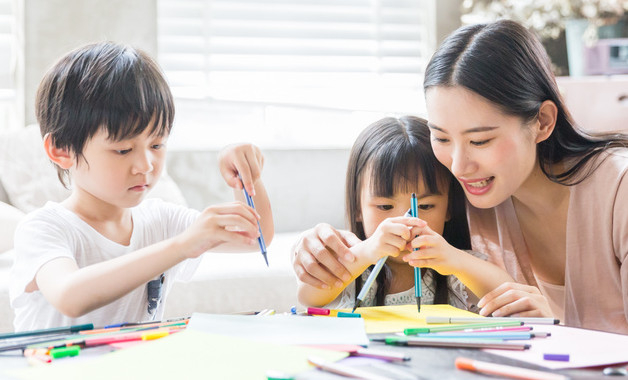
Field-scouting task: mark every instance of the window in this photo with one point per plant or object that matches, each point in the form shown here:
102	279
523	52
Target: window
276	64
7	63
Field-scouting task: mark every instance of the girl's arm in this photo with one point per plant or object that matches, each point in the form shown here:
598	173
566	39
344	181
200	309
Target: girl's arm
76	291
390	238
435	252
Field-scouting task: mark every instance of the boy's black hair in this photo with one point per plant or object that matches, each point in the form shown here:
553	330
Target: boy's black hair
397	152
104	86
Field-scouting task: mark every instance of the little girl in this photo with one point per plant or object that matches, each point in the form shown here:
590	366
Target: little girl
391	159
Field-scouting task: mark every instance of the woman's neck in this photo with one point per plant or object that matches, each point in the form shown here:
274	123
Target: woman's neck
539	195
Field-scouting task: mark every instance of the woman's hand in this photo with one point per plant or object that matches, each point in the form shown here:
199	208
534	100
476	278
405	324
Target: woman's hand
317	253
515	300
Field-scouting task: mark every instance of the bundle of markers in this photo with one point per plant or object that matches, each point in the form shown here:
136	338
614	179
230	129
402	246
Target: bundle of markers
54	343
494	333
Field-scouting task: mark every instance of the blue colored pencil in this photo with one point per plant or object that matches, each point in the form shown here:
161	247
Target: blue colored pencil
418	291
260	239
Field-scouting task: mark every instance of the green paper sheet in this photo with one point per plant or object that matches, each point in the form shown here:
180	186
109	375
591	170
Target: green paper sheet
185	355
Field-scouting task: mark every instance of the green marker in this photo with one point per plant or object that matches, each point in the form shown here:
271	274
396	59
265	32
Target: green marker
465	326
62	352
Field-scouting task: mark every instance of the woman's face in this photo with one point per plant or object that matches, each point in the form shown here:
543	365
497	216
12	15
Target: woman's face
492	154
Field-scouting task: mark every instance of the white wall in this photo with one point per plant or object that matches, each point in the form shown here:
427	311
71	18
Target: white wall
51	28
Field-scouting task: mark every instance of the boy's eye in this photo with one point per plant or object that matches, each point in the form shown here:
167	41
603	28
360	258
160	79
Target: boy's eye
426	207
479	143
385	207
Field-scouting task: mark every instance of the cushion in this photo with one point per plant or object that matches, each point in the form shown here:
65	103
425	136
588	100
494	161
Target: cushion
9	218
30	179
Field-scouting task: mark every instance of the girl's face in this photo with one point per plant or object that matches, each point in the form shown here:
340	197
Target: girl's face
432	208
492	154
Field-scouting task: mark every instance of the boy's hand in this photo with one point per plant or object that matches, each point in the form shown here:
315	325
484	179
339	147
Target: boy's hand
234	223
392	236
434	252
244	159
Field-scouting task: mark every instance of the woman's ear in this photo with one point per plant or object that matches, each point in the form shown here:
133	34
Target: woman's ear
61	157
546	120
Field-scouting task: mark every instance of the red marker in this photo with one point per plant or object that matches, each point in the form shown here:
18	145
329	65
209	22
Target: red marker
317	311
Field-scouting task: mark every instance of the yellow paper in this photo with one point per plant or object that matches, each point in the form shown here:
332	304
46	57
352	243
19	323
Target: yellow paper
186	355
388	319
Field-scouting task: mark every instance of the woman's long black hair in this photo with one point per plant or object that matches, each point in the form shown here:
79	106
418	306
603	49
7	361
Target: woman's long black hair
506	64
396	152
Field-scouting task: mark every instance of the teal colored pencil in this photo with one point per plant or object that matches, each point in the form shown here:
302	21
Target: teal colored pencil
418	291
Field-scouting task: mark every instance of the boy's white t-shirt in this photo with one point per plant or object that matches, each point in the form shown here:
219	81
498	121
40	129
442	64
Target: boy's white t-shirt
54	231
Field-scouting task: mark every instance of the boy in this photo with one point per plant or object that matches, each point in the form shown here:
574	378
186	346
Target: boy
104	255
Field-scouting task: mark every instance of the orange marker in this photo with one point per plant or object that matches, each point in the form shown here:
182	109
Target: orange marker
505	370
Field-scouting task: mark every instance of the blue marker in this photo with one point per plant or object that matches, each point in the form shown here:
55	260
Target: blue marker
369	282
260	239
418	291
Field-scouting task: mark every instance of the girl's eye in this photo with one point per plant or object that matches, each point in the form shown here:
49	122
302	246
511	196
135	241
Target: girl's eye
480	143
123	151
385	207
158	146
439	140
426	207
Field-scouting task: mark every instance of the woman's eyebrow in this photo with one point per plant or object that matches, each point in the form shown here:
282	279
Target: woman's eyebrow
470	130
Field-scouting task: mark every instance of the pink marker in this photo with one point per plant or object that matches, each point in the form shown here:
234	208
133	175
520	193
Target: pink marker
317	311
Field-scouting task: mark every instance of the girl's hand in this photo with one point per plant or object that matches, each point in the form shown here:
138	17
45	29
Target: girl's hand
244	159
391	237
515	300
317	253
434	252
234	223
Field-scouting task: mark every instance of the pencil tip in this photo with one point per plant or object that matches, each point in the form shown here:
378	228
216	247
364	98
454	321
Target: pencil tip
265	258
418	304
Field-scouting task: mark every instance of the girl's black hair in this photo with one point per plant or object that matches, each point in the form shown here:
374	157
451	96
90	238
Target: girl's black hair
506	64
103	86
397	153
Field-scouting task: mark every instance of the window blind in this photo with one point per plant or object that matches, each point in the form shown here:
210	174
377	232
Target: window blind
355	54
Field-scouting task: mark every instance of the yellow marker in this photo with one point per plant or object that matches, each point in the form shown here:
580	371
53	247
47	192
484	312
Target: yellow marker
154	335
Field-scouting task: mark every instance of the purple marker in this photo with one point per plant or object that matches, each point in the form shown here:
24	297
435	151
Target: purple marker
556	357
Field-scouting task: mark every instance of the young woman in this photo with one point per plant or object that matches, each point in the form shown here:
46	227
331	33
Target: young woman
549	202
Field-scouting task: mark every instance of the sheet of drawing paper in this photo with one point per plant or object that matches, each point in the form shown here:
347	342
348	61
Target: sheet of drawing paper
185	355
586	348
388	319
283	329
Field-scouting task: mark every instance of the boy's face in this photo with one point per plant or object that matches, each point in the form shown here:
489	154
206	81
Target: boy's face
432	209
119	173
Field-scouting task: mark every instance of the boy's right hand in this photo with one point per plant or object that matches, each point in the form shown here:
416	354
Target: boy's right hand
234	223
316	256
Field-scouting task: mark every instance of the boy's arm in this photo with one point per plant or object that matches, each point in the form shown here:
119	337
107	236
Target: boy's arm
76	291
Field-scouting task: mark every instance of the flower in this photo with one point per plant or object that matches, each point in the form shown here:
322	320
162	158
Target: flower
546	17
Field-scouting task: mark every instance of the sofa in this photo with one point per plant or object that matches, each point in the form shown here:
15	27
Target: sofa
305	187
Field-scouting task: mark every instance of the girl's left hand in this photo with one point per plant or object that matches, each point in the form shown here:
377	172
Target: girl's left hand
434	252
515	300
244	159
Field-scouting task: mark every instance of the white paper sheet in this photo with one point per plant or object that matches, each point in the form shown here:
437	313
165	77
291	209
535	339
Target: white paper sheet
283	329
